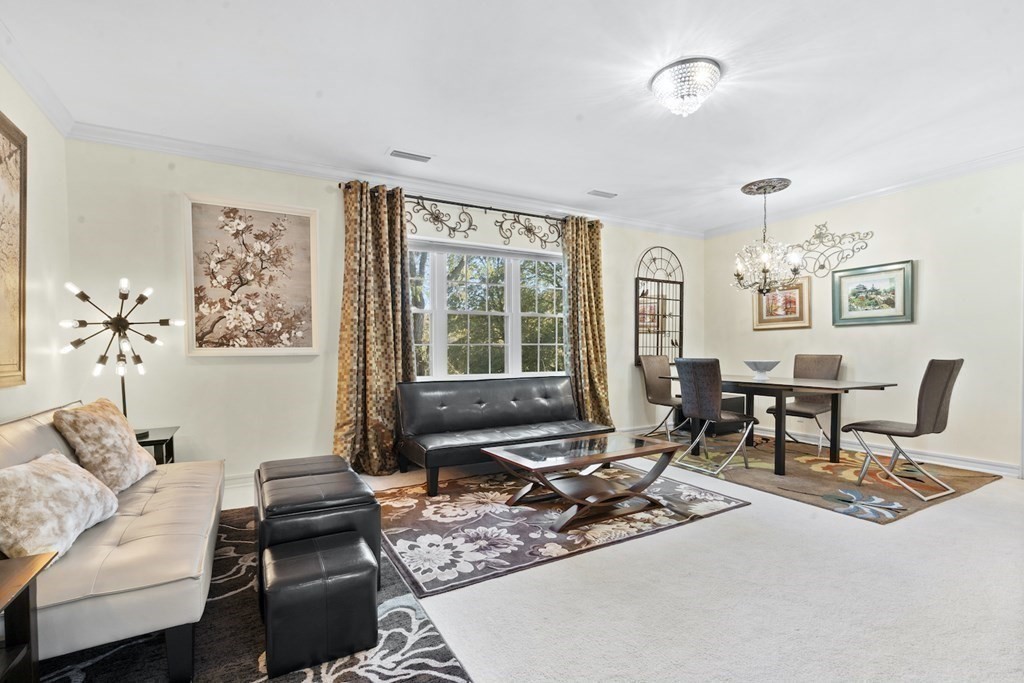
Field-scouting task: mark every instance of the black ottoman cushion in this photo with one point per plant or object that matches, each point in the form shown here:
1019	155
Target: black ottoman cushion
320	602
314	493
302	467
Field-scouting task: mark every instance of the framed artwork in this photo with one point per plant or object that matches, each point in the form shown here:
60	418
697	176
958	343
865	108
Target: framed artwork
647	315
873	295
13	200
251	278
784	309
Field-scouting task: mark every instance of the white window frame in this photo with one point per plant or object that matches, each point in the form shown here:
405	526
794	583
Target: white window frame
439	305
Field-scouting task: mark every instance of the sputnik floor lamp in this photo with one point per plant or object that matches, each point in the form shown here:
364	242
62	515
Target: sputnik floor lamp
120	327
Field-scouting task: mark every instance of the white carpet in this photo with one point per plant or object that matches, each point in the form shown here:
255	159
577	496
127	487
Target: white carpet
776	591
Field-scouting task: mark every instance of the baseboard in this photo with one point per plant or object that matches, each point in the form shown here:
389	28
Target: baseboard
963	462
238	491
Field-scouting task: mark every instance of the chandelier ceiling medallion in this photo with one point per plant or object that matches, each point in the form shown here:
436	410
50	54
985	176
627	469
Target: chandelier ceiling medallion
684	85
767	265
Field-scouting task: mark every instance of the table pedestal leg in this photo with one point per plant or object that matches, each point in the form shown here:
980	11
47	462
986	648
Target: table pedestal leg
749	410
836	422
780	433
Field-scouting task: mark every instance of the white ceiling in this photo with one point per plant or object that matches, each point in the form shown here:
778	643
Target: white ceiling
547	100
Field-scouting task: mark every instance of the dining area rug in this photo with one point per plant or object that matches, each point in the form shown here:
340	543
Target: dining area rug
833	486
467	534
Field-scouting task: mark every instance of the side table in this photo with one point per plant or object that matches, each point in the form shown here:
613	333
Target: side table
19	656
162	441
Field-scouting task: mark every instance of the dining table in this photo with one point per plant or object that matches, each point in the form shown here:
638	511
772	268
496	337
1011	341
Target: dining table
781	388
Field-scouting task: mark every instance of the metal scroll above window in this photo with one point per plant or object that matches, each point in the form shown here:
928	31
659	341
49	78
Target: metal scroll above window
458	220
658	322
825	251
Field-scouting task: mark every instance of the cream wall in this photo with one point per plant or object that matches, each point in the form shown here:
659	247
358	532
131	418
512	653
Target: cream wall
964	236
47	254
126	215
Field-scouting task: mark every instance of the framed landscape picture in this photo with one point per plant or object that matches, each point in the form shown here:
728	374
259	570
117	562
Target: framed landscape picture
13	196
784	309
873	295
251	278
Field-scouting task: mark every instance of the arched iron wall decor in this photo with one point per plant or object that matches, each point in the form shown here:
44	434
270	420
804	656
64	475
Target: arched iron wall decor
658	322
825	251
546	233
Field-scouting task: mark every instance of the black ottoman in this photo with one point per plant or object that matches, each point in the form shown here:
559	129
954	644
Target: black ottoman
320	602
302	467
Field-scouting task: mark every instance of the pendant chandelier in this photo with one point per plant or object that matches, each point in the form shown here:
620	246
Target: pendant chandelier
767	265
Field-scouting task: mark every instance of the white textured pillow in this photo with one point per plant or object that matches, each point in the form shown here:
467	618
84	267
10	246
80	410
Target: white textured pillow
46	503
105	443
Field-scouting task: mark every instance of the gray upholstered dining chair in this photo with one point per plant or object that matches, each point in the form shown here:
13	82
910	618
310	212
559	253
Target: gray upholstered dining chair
932	415
700	382
810	405
659	389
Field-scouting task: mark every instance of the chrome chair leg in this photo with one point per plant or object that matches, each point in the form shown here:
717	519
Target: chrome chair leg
702	439
890	471
664	422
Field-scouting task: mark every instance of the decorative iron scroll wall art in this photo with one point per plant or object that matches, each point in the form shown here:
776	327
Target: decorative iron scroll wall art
658	329
545	231
825	251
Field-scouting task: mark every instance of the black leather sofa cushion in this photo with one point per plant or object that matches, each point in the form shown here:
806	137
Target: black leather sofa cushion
314	493
456	406
435	447
321	601
302	467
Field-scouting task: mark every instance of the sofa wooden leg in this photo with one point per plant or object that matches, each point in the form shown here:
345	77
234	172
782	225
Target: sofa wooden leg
432	477
180	659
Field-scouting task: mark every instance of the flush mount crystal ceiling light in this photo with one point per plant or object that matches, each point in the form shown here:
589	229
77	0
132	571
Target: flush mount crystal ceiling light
683	85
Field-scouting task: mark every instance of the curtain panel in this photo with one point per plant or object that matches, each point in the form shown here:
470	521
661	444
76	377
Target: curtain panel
588	356
375	340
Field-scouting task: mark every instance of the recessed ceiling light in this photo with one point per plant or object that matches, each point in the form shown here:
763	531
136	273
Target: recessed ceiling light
602	194
683	85
409	156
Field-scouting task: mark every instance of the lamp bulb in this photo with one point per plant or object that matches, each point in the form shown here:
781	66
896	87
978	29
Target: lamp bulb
147	292
126	346
123	285
67	349
141	368
120	368
178	323
68	324
70	286
97	370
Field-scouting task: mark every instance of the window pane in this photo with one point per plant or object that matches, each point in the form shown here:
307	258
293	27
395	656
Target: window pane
476	267
547	359
456	297
497	329
559	301
498	358
560	356
529	358
560	330
458	329
479	360
559	280
528	273
546	301
496	298
422	354
456	267
457	360
476	298
421	328
419	265
418	294
529	328
545	274
478	328
547	330
527	299
496	270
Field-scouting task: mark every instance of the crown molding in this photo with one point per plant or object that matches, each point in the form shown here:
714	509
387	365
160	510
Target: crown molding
450	192
956	170
34	84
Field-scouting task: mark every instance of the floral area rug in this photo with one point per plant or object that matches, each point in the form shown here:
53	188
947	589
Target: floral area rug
466	534
833	486
229	638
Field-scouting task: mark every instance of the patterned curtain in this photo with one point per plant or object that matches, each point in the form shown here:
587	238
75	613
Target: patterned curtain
375	342
588	357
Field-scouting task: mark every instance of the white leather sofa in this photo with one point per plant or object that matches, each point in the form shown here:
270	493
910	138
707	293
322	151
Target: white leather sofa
147	568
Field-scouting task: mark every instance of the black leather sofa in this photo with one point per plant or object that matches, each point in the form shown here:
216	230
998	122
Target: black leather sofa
448	422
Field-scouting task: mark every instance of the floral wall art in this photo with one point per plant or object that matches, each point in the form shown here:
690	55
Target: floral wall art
252	279
13	192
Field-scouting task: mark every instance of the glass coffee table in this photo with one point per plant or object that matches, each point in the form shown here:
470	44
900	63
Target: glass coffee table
549	470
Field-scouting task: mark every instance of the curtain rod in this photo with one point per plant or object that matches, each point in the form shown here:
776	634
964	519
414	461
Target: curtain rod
484	208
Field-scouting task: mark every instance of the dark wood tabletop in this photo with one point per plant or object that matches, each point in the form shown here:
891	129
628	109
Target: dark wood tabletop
821	385
578	452
16	573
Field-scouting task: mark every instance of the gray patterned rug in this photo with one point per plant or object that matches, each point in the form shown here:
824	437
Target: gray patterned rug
467	534
229	638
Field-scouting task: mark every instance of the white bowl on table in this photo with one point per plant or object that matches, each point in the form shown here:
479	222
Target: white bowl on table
761	367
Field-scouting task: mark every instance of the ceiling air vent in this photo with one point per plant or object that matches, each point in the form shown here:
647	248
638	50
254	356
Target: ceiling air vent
409	156
602	194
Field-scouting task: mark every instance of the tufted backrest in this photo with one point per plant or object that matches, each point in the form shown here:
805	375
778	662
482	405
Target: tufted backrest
459	405
25	439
